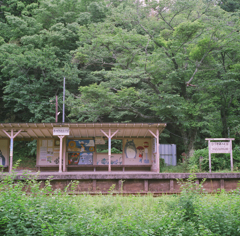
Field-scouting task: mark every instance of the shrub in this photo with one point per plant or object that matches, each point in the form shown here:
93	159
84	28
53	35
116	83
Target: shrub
218	161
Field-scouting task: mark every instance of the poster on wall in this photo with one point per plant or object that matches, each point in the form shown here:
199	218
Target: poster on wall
77	158
102	159
137	151
2	159
80	145
130	149
47	153
4	147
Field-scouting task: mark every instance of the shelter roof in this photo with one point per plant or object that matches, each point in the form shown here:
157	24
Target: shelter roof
81	130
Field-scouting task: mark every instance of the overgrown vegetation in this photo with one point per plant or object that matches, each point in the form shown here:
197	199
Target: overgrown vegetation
25	154
27	209
124	61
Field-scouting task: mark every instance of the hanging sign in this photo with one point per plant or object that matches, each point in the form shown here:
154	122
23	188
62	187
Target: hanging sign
60	131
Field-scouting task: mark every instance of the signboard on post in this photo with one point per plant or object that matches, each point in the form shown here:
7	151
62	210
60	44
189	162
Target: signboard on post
61	131
220	147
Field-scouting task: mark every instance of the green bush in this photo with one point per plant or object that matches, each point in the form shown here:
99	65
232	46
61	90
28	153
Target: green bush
218	161
26	152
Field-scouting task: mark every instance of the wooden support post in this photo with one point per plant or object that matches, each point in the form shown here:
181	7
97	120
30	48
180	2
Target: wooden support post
60	153
171	185
94	186
209	157
222	183
109	150
109	136
157	157
231	156
11	136
120	185
157	146
146	185
11	152
64	155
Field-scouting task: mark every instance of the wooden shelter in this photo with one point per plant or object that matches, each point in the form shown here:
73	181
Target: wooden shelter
75	146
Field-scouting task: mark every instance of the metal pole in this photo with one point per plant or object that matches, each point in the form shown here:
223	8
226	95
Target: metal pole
63	118
56	109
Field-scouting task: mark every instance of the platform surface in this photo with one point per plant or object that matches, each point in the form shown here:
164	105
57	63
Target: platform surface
120	175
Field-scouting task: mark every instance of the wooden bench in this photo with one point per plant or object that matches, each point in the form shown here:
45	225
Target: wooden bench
46	166
95	167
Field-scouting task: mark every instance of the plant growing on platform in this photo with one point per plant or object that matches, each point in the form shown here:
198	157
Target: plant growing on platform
190	193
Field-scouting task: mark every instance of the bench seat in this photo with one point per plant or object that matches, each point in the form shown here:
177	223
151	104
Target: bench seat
46	166
95	167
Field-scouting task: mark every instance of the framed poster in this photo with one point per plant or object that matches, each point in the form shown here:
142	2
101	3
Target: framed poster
73	158
47	153
77	158
80	145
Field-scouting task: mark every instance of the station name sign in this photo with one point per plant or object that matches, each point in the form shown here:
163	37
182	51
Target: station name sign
220	147
61	131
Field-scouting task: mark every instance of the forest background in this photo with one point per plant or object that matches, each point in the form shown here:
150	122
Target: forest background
124	61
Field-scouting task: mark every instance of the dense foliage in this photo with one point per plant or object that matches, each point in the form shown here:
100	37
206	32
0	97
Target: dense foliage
124	61
47	212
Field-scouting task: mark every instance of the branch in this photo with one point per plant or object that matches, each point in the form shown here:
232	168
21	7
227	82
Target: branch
166	21
147	81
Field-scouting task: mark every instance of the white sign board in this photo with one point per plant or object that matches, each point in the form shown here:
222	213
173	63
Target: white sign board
220	147
60	131
99	140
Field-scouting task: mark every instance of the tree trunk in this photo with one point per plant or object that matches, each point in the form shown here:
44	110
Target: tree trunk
189	138
224	123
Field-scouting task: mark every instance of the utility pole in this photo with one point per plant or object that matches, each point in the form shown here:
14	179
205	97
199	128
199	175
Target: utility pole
63	118
56	109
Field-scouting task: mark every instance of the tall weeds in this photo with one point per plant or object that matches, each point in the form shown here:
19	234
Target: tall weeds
28	209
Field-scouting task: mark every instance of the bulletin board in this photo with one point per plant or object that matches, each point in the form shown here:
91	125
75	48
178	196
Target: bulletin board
48	152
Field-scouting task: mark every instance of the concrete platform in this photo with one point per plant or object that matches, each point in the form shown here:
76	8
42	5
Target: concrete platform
131	182
122	175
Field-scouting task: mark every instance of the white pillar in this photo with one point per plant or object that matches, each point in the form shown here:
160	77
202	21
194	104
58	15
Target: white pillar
109	136
64	155
209	156
60	153
109	150
231	156
11	152
11	136
157	156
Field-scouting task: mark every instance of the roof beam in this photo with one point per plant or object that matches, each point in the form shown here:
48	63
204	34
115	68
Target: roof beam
154	135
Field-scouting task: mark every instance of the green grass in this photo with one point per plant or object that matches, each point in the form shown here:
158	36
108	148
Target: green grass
27	209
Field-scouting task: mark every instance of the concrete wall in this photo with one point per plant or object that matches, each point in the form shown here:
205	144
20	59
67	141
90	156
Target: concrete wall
133	183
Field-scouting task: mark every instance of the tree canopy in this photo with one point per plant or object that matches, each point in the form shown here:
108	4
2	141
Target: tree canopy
124	61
